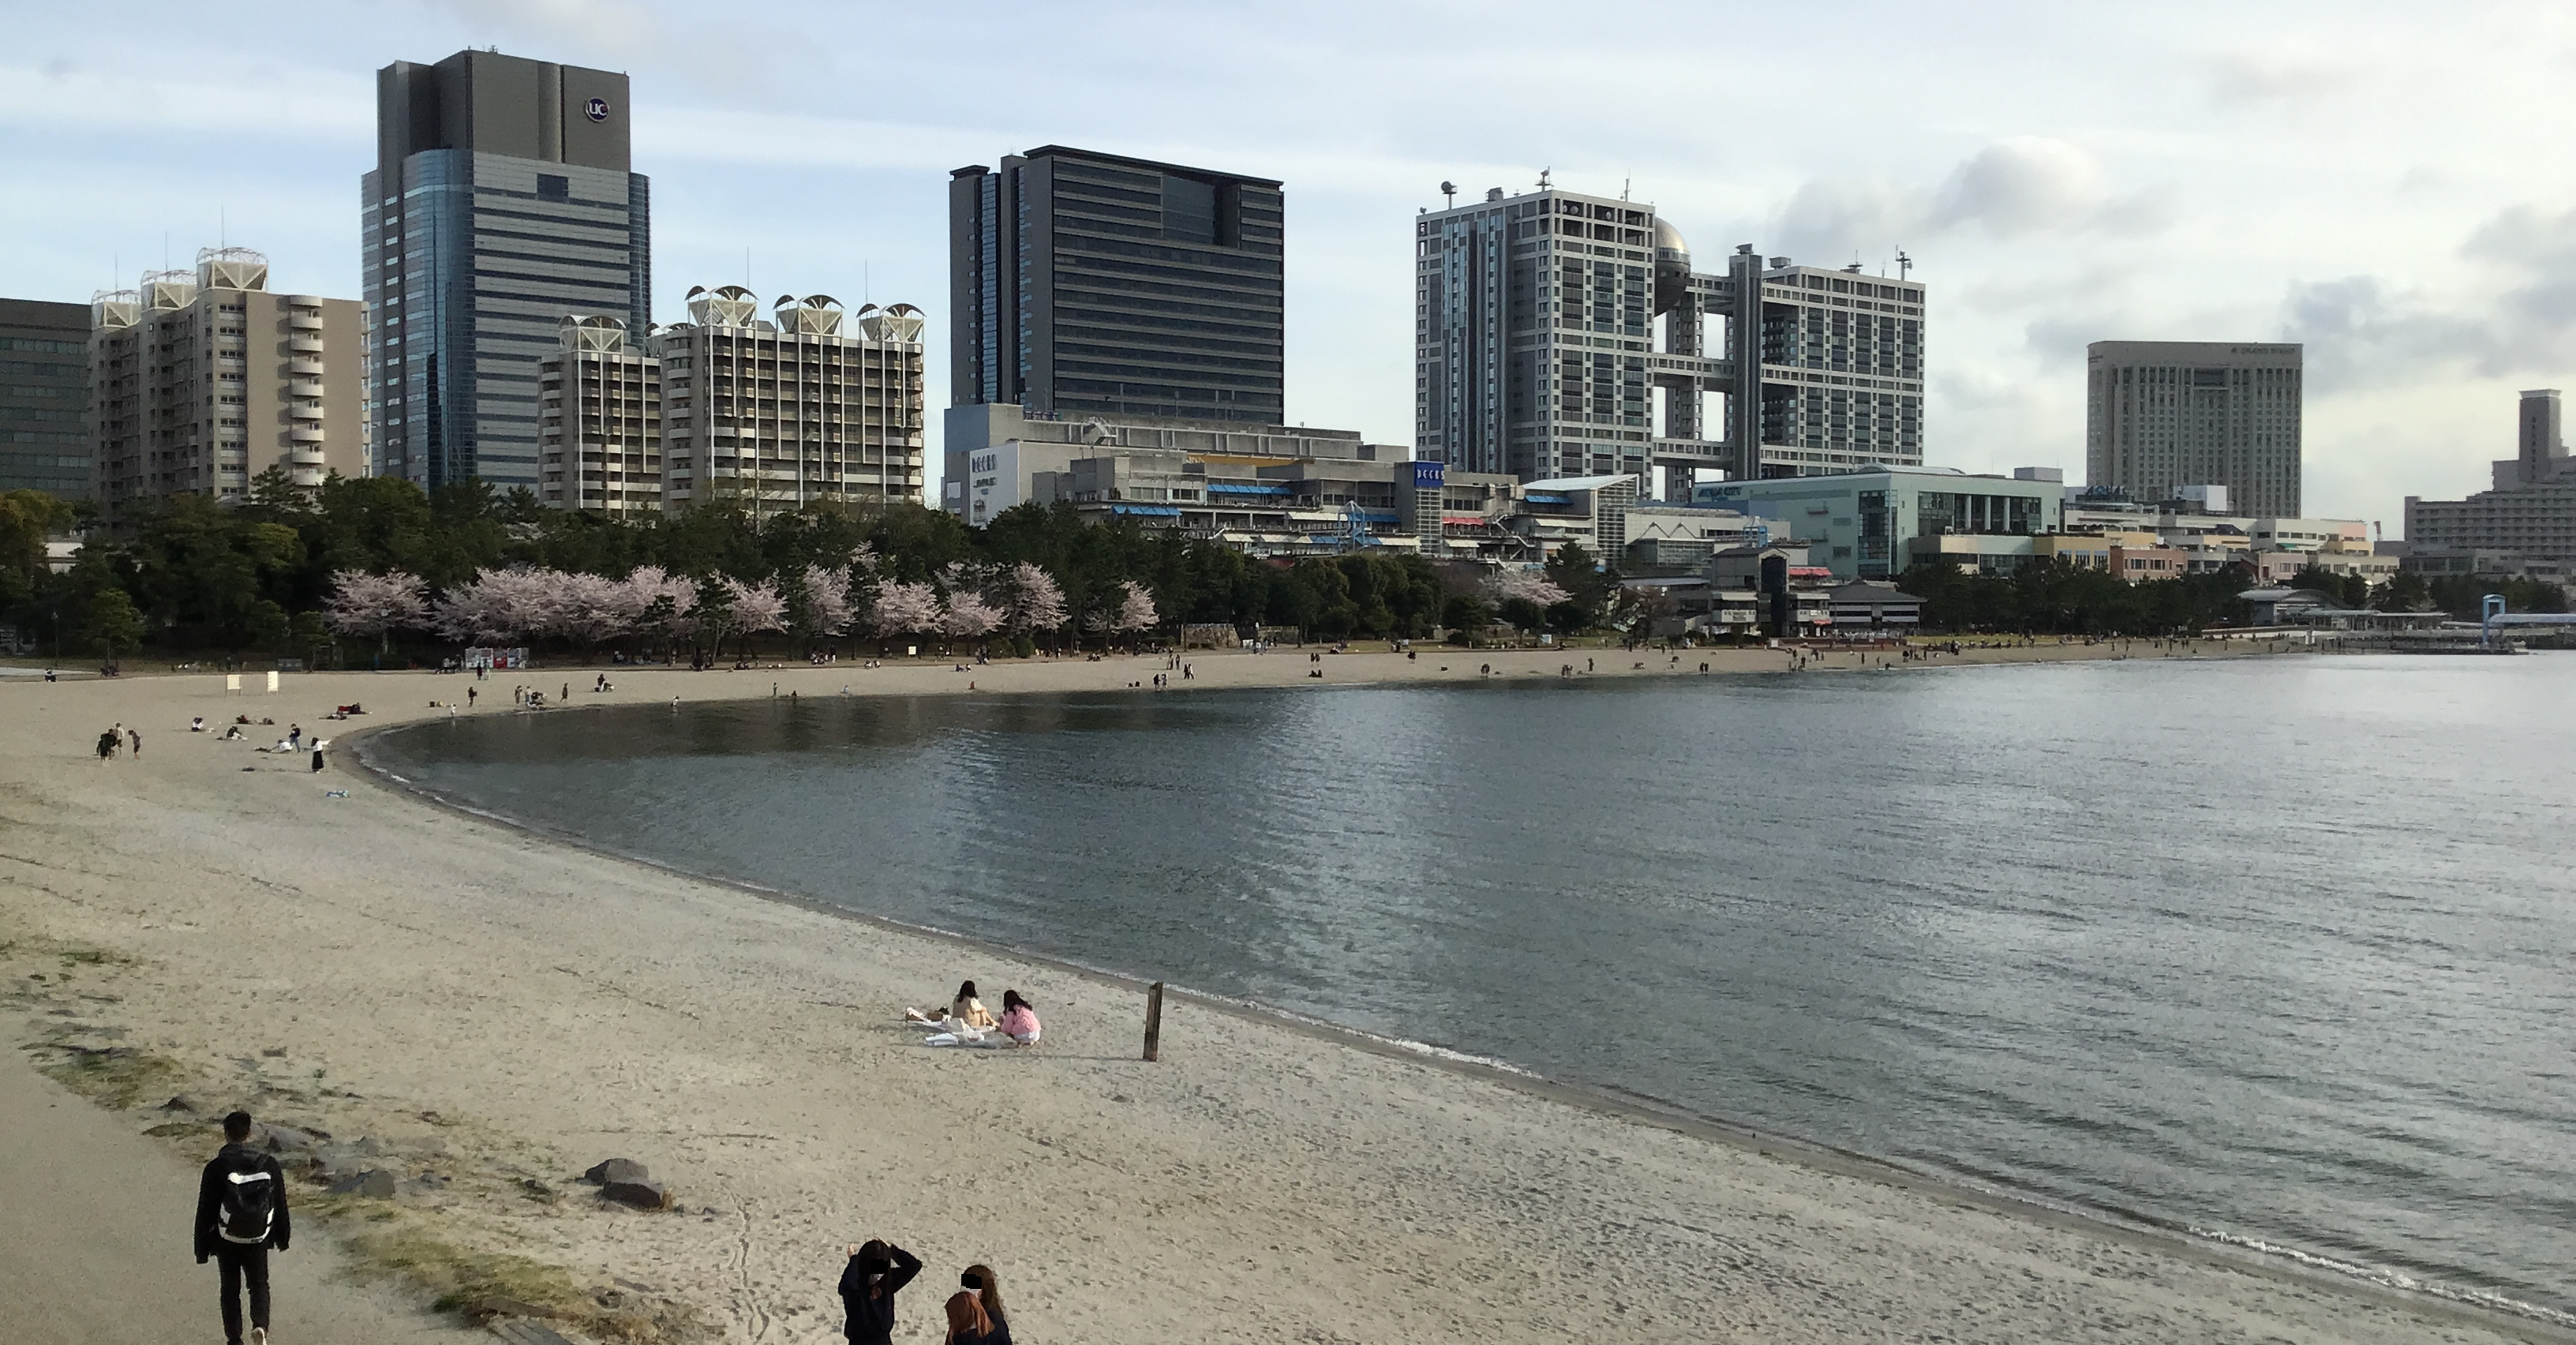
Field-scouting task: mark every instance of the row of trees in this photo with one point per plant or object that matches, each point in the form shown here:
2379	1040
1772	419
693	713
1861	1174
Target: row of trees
379	560
2061	599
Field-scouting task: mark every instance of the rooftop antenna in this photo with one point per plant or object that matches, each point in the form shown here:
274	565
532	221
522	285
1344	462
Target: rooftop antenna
867	283
1449	190
1623	187
1542	178
1904	265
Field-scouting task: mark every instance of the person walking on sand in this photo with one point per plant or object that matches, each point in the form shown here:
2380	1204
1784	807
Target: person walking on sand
106	746
241	1215
967	1322
868	1284
469	696
135	737
988	1292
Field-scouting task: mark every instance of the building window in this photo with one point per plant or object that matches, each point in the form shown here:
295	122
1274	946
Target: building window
551	187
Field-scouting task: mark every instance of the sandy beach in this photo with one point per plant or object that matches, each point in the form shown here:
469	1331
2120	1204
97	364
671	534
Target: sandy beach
481	1014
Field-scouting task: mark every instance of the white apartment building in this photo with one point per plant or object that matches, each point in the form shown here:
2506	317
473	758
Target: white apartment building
782	413
599	422
200	381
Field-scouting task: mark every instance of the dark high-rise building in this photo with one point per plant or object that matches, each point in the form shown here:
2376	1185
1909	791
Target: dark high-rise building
1089	284
501	203
44	397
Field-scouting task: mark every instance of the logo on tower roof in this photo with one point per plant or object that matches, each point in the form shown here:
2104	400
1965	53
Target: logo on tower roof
596	109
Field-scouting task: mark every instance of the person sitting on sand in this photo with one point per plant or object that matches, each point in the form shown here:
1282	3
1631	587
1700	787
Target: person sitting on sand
197	725
967	1324
988	1291
1019	1019
232	734
868	1284
967	1016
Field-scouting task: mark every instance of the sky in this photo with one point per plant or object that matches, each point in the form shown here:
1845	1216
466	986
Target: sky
2387	183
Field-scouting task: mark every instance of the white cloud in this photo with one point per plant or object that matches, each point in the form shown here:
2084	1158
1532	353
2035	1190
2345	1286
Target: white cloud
2011	189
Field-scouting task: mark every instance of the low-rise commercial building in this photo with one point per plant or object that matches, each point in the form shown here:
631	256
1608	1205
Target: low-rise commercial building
200	381
44	397
1873	523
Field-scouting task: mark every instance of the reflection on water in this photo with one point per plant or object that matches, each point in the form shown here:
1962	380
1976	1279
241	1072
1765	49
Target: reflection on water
2275	950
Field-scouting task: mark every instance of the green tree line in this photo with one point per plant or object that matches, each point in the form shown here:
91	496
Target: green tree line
192	577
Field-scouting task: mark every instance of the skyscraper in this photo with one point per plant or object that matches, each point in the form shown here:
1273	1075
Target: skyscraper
501	203
1536	353
2160	415
1090	284
44	397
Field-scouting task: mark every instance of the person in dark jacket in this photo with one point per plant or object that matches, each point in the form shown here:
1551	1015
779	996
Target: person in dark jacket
868	1284
988	1291
241	1214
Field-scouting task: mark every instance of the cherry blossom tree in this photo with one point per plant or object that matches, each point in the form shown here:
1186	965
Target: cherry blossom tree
1030	598
590	608
664	604
1127	609
1528	585
376	604
904	609
748	609
969	616
828	609
1135	610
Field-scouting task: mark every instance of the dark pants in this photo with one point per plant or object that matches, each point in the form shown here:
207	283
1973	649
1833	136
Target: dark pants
239	1264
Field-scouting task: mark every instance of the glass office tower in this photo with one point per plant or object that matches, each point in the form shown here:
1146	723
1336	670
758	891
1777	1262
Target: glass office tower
1089	284
501	203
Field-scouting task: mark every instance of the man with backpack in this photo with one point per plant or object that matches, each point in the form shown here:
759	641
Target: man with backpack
241	1213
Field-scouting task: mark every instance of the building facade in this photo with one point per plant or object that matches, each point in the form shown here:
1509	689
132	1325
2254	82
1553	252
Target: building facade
1088	284
44	398
599	425
2162	415
502	201
1873	524
1537	350
200	381
775	414
2530	512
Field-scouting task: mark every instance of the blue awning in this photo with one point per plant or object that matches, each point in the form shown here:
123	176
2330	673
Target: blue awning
1148	510
1549	499
1220	488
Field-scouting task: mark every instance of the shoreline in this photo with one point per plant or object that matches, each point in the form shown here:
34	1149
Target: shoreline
473	918
2223	1250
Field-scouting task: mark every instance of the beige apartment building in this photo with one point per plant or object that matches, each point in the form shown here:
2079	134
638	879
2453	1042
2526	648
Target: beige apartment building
781	413
201	381
599	422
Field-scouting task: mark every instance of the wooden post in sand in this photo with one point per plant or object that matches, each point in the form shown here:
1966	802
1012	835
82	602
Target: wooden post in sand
1154	1021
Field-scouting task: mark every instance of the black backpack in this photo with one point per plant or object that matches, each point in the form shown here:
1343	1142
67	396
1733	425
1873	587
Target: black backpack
247	1207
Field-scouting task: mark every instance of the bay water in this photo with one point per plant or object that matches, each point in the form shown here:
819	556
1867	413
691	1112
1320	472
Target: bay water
2281	952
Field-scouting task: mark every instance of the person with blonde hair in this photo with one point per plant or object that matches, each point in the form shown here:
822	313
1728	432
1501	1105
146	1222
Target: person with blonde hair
967	1324
988	1292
